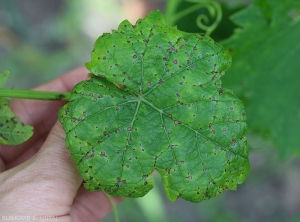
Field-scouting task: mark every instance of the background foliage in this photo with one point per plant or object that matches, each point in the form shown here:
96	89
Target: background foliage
42	40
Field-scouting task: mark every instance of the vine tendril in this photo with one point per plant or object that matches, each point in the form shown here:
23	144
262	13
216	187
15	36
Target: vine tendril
214	11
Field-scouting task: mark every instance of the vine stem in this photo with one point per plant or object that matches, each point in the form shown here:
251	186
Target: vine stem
113	206
32	94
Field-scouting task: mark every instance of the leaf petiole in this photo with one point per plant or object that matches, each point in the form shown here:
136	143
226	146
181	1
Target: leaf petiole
113	206
31	94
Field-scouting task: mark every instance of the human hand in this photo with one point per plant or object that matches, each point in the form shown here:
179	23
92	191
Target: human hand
38	178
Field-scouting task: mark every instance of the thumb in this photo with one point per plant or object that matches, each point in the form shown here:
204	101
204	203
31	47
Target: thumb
44	185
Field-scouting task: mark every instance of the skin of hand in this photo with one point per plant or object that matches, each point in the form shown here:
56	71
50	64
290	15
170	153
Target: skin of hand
38	178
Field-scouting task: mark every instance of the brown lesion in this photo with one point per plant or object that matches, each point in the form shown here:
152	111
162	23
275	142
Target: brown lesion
120	86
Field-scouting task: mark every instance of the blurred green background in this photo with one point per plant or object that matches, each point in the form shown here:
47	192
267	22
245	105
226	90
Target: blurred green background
40	40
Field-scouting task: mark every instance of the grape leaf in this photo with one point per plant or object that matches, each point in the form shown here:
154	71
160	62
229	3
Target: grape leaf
155	102
12	130
265	73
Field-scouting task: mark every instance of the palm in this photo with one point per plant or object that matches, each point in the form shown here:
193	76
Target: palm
55	185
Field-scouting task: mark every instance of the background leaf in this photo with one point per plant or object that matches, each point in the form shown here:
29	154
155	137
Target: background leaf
170	114
12	131
265	71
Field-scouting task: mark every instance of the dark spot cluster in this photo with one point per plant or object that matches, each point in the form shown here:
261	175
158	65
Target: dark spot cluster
103	154
73	119
90	154
168	170
160	81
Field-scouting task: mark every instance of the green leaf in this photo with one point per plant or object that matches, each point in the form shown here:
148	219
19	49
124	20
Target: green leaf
266	68
12	131
3	77
155	102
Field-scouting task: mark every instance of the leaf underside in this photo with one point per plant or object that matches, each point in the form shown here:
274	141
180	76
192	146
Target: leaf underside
12	130
155	102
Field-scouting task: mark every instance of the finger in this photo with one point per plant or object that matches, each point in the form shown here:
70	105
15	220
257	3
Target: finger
40	114
44	185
